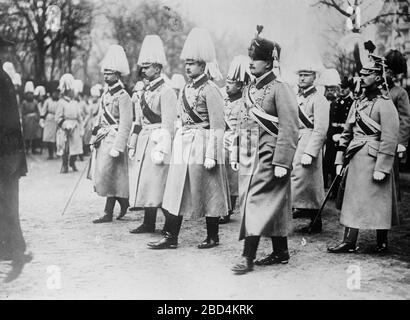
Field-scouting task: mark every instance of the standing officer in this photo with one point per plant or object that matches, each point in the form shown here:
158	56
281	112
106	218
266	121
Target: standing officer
368	143
238	76
151	139
268	133
110	171
307	173
12	166
339	109
196	184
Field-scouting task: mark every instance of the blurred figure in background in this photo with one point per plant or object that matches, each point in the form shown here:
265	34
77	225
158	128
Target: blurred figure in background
40	96
69	123
238	76
31	117
339	109
48	121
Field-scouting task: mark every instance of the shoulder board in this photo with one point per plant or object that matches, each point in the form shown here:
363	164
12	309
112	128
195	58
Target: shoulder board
280	80
385	97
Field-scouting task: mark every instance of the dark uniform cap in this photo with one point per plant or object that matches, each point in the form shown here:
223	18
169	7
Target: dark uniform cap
263	49
396	62
347	83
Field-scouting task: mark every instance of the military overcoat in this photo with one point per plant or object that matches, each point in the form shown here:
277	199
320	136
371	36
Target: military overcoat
265	201
155	116
370	204
191	189
307	180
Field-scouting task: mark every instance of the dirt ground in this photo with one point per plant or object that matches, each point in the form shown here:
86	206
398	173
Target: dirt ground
75	259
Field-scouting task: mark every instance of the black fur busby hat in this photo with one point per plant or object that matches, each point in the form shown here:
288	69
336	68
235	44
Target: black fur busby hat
263	49
347	83
396	62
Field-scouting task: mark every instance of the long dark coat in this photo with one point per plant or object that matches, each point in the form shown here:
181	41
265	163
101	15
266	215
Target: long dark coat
147	179
265	201
370	204
12	166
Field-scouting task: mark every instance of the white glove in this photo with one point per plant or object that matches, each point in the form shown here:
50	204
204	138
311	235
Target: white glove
280	172
306	159
209	163
235	166
131	153
42	123
338	169
400	150
114	153
92	148
157	157
336	137
378	176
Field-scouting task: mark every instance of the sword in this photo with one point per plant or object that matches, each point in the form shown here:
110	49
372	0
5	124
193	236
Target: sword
75	188
335	182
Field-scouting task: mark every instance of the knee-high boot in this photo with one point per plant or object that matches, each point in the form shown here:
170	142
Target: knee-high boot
212	230
348	244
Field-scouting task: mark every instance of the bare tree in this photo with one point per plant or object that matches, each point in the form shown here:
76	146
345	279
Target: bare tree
24	22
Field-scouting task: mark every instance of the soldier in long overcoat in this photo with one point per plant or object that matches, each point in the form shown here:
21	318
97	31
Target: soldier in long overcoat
268	132
49	122
69	124
151	139
12	166
196	184
110	167
368	144
238	76
307	174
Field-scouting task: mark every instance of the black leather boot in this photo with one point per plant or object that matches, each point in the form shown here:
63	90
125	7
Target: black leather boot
108	211
124	204
279	255
212	230
170	240
381	247
72	163
349	242
50	148
249	253
148	225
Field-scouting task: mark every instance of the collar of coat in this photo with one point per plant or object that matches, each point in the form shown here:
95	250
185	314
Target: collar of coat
66	98
154	84
265	79
199	81
115	88
371	95
307	92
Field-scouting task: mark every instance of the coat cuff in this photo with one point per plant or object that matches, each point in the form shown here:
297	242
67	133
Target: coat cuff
340	156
